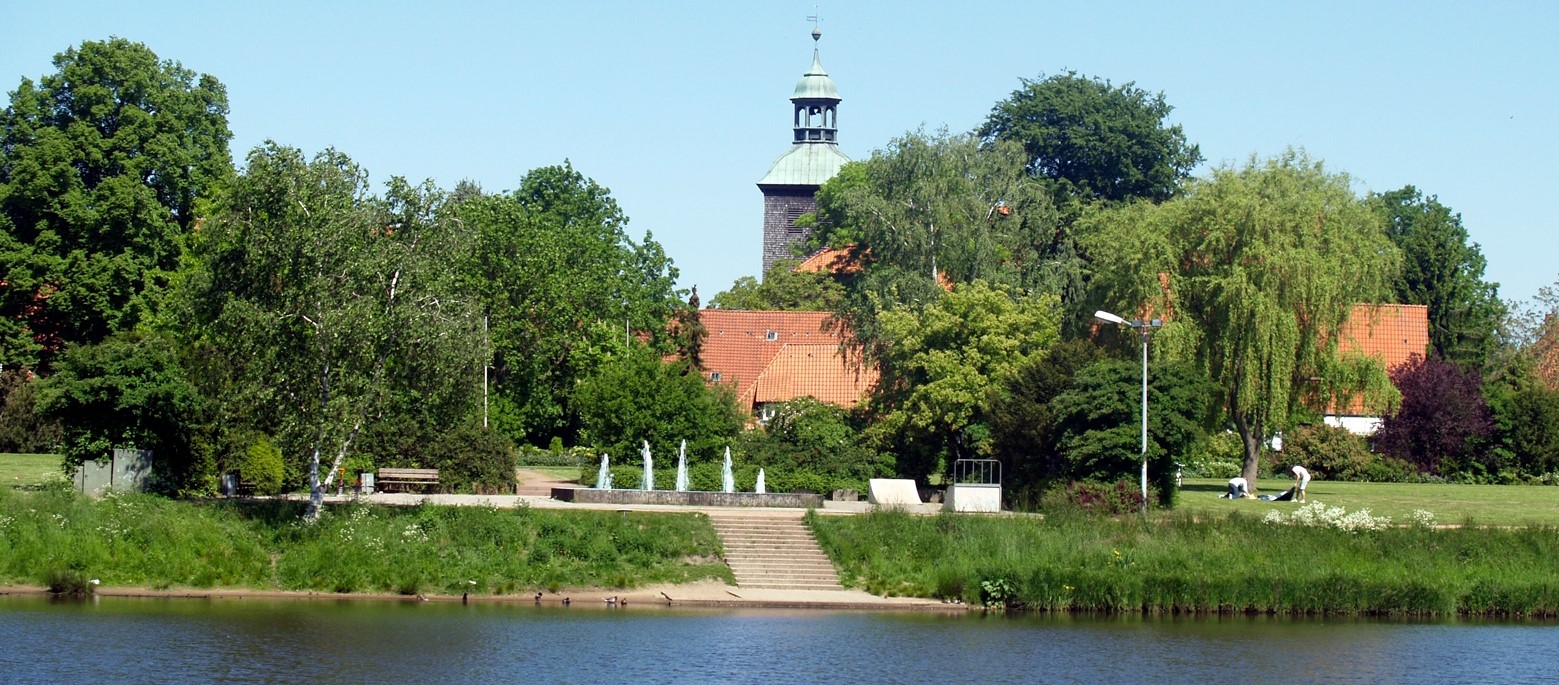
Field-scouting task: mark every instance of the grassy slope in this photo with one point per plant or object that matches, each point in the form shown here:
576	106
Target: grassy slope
1494	505
145	540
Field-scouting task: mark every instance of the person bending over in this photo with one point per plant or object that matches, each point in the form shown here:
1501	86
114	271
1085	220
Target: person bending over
1301	479
1238	488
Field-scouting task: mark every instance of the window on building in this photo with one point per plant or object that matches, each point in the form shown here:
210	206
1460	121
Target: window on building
714	376
771	336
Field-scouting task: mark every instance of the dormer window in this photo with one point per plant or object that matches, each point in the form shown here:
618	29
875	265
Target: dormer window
714	376
771	336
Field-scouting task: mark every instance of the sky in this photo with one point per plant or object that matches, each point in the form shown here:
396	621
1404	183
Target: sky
679	108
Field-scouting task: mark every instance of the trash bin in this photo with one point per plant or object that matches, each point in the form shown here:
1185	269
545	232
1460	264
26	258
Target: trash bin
366	481
229	484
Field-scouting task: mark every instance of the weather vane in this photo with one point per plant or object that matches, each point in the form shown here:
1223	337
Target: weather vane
816	17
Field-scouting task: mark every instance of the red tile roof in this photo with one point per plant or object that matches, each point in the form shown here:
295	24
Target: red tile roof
814	370
742	345
1391	333
832	260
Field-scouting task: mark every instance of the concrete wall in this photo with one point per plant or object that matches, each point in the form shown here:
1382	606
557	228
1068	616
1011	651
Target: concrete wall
973	497
689	499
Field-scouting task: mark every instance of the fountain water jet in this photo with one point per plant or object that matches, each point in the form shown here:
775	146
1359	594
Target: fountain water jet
760	489
682	468
603	478
727	481
649	468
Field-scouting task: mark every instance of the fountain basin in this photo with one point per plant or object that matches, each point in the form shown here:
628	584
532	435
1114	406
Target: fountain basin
790	500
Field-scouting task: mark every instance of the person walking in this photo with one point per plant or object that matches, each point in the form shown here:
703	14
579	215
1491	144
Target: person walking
1301	479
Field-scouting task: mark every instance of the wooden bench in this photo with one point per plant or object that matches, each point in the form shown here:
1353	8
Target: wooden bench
405	478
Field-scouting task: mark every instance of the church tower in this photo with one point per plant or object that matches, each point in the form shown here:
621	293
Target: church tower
813	158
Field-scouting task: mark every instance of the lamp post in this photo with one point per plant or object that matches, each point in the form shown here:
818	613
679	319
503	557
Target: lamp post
1145	328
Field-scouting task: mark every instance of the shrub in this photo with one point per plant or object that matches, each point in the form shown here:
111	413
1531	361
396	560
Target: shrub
21	428
476	459
1219	456
1090	497
1328	451
262	465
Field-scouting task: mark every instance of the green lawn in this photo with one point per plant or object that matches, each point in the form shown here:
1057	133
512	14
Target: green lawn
18	470
1500	505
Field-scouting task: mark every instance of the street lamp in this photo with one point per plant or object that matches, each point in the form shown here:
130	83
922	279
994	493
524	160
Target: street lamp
1145	328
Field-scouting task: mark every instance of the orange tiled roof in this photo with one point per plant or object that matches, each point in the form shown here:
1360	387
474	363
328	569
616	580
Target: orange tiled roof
1391	333
813	370
839	261
741	344
832	260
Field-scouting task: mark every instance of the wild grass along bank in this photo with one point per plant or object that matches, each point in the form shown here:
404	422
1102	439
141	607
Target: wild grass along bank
143	540
1227	563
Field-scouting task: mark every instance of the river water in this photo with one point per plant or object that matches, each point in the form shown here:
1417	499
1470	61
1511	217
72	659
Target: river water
128	640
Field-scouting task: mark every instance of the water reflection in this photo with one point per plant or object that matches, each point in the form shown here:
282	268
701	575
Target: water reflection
260	641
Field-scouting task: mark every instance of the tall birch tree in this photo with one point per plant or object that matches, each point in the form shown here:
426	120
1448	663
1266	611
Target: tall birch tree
325	299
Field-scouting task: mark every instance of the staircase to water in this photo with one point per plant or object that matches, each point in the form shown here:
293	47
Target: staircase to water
773	550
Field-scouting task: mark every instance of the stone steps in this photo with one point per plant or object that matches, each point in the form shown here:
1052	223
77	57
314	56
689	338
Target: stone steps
773	551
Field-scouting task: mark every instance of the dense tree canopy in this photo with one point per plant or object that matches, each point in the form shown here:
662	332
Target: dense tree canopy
558	277
1263	264
1442	417
940	364
129	391
1098	421
327	305
783	288
1094	140
1024	432
1441	268
101	167
638	397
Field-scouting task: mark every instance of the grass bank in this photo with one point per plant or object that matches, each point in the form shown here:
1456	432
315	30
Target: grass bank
1180	563
143	540
1488	505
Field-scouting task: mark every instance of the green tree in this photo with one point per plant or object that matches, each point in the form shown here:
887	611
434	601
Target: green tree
1023	424
1263	265
325	303
806	435
559	279
102	165
1095	140
129	391
1098	419
784	289
1525	412
944	207
939	365
1443	270
22	429
639	397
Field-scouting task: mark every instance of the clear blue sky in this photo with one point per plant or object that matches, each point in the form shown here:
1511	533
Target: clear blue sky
680	107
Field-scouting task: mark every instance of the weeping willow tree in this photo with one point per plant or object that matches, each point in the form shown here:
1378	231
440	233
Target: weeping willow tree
1256	270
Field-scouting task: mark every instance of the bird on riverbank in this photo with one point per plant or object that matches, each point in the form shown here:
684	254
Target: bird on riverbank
611	601
565	601
668	597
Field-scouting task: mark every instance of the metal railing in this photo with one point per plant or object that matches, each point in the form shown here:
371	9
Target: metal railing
977	472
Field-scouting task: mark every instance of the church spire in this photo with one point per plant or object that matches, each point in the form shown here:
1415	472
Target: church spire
813	158
816	100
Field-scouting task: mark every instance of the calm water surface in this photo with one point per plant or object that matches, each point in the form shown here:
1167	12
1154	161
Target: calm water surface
123	640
